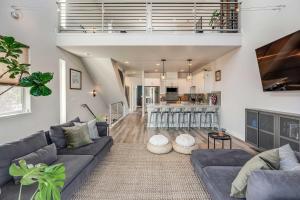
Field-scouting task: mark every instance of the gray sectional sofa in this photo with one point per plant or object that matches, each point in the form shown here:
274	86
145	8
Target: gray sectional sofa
218	168
78	162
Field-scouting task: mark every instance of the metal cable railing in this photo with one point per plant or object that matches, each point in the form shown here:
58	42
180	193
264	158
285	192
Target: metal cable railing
116	112
95	16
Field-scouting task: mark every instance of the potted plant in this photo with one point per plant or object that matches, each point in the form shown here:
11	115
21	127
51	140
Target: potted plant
10	51
215	19
49	179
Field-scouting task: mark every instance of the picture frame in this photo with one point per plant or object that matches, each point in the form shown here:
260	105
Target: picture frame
218	75
75	79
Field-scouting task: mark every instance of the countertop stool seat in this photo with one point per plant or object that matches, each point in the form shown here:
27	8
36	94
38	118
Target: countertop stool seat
175	114
155	112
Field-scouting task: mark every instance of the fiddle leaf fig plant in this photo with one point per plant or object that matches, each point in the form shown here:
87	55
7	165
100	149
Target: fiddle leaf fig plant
49	179
37	82
11	50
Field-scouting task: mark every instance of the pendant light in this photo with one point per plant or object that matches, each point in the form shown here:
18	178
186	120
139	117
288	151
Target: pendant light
189	76
163	75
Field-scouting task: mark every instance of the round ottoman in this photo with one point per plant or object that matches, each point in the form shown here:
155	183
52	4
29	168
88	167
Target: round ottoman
159	144
185	144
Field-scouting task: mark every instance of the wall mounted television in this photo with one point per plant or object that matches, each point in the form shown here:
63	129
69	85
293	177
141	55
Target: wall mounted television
279	63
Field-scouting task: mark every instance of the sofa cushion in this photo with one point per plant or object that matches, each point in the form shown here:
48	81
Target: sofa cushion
224	157
57	134
91	149
46	155
239	185
218	181
10	151
74	164
77	136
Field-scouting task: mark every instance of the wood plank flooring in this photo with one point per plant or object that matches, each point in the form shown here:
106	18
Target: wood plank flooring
133	129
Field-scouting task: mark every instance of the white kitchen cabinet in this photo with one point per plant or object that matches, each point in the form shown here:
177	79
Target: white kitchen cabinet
152	82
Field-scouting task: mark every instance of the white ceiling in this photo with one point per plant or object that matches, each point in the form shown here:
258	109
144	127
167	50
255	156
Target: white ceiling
147	57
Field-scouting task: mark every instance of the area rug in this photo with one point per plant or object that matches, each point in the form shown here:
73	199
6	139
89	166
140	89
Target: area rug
129	171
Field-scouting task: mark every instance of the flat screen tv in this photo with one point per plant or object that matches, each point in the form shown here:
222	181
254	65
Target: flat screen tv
279	63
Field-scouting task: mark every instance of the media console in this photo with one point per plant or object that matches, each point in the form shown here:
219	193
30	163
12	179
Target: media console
266	129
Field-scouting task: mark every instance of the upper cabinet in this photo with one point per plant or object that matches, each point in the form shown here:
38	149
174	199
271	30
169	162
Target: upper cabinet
202	82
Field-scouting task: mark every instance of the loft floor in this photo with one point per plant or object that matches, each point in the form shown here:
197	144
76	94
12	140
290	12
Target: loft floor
133	130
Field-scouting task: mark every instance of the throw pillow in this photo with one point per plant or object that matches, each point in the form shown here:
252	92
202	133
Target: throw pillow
239	185
77	136
288	159
57	134
46	155
93	131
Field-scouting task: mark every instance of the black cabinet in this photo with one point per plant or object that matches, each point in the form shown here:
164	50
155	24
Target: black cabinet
268	129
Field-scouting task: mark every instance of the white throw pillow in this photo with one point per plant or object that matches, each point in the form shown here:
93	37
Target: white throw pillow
185	140
93	131
158	140
288	159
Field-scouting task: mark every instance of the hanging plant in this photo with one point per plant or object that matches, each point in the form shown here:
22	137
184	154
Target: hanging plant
10	51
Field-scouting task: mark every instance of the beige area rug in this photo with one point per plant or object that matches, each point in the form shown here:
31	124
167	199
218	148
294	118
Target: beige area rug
129	171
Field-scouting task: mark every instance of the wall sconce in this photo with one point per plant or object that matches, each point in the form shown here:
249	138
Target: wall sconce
15	13
94	93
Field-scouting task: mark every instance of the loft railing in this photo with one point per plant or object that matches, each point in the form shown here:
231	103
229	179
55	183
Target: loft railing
104	17
116	112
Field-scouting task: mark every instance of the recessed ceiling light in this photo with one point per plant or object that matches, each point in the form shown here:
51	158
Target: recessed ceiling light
182	70
126	62
157	64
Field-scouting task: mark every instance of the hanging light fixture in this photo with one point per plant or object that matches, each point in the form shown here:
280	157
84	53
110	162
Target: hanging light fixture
189	76
163	75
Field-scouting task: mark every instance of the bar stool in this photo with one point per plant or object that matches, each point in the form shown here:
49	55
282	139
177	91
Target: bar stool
211	116
155	112
164	113
176	112
186	114
198	114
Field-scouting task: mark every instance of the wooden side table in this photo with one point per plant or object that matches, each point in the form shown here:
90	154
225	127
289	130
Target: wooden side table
216	136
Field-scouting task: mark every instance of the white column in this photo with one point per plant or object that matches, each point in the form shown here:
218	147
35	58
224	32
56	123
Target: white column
143	93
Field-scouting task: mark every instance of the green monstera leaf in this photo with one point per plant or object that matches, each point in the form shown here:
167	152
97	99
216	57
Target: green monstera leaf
50	179
37	81
10	47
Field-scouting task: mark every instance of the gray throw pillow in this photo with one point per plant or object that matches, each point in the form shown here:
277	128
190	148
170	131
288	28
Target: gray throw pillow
288	159
57	133
77	136
46	155
239	185
93	131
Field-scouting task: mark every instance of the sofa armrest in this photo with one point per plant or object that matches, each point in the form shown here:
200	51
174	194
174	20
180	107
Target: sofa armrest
273	185
103	128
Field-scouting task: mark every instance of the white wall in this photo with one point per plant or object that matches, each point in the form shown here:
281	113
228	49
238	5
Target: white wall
133	82
241	85
84	96
36	28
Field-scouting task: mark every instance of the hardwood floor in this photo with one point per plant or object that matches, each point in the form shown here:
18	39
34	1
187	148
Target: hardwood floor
133	129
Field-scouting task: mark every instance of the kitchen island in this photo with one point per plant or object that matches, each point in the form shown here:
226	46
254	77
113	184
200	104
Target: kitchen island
182	115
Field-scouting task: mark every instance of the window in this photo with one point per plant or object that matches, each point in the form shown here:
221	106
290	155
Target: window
15	101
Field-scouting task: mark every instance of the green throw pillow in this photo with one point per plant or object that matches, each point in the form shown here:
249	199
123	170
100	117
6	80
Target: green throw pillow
77	136
263	160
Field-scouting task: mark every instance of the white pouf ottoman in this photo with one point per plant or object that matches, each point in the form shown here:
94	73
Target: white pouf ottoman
185	144
159	144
